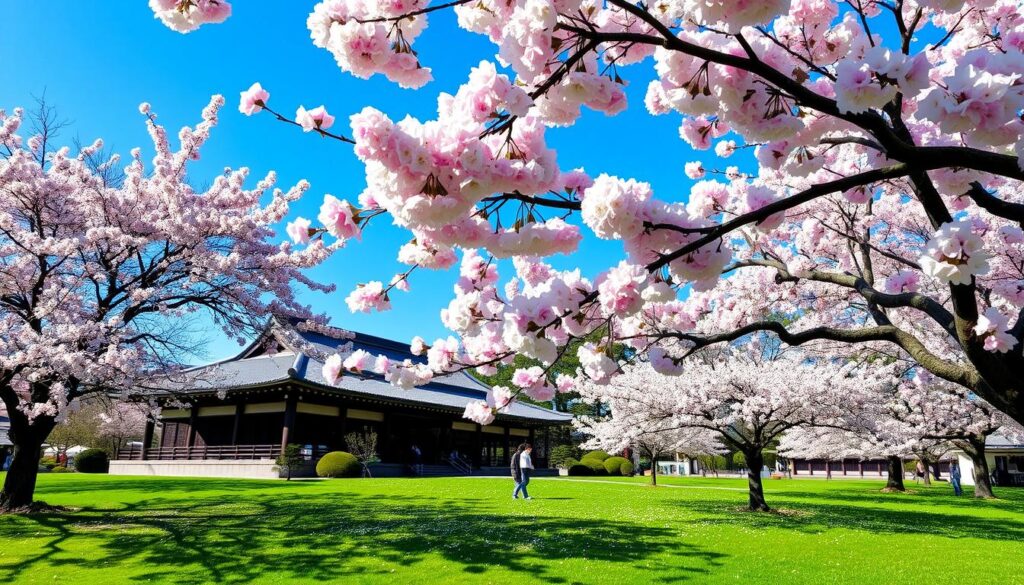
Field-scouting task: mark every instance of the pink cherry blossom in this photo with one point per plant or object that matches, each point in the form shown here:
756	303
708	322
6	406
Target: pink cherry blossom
339	217
298	230
315	119
253	99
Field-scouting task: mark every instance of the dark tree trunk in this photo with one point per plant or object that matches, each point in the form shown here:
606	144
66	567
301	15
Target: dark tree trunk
935	470
654	470
975	449
28	438
755	460
895	482
926	477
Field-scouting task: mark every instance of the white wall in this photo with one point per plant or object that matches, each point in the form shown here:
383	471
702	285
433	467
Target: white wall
255	469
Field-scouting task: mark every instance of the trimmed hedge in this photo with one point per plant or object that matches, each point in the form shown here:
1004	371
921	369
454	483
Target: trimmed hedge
596	465
613	465
338	464
580	469
62	470
92	461
599	455
626	468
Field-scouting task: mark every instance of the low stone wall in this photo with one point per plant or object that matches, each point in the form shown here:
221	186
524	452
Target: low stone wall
254	469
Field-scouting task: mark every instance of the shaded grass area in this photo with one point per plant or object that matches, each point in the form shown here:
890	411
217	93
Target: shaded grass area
468	530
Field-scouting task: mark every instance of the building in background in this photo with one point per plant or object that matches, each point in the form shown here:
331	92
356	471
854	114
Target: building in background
233	418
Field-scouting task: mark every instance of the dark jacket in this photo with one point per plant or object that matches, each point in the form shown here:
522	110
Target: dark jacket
517	472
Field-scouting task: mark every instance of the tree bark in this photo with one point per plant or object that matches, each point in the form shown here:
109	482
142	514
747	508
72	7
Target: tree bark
654	471
27	438
926	478
755	460
895	481
975	449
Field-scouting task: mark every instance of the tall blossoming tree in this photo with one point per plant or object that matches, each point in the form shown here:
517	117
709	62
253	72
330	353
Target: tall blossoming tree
98	271
746	401
883	215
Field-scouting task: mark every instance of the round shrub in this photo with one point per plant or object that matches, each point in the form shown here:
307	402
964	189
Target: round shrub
580	469
62	470
567	463
596	465
612	465
92	461
599	455
338	464
626	468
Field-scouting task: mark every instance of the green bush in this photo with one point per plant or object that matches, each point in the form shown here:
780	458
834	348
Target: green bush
626	468
739	459
596	465
580	469
48	462
562	455
338	464
62	470
92	461
599	455
612	465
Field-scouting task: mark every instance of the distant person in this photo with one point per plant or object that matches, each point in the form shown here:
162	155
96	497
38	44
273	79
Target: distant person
525	469
920	470
417	459
7	461
517	472
954	478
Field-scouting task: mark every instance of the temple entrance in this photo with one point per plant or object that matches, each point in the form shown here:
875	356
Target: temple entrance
432	436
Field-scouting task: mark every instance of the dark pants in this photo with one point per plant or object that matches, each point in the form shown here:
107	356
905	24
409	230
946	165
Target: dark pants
956	487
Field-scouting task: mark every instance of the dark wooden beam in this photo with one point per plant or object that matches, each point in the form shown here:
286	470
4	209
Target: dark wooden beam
291	400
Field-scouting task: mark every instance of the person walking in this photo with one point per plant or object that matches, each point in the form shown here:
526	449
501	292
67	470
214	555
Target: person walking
954	478
517	472
525	468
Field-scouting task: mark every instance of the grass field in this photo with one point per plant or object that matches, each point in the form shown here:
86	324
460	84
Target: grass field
468	530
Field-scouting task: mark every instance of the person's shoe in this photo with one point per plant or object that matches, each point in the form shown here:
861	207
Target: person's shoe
527	498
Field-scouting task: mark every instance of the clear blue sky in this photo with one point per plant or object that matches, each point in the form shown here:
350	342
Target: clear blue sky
97	61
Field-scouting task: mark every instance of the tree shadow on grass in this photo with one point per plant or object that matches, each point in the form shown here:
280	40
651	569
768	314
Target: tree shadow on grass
327	536
1007	499
815	517
144	484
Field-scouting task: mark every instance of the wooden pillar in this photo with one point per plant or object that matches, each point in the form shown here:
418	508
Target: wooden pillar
193	414
342	428
478	445
237	427
147	437
289	419
507	458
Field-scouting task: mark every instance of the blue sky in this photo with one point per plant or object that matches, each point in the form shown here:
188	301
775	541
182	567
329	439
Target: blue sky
96	62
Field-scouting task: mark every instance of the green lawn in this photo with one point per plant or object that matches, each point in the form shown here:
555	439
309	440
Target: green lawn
171	530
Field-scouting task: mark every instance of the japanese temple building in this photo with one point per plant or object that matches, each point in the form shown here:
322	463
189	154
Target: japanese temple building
233	418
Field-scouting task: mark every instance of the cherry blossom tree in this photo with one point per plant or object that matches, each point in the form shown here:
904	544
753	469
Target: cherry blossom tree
98	278
920	417
630	427
883	215
744	400
948	413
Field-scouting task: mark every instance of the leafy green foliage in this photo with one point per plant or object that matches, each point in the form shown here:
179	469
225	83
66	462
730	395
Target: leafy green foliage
626	468
338	464
92	461
599	455
290	460
613	465
563	453
580	469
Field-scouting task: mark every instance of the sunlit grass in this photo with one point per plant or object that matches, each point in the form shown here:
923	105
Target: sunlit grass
469	530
